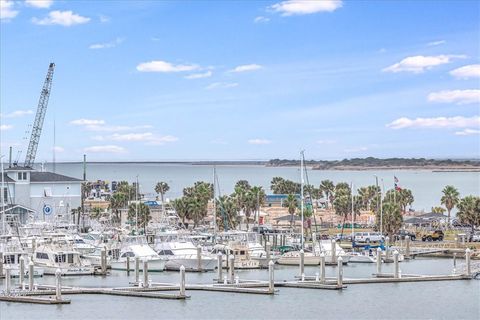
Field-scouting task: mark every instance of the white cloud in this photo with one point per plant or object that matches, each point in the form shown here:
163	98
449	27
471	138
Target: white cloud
301	7
199	75
418	64
42	4
221	85
261	19
467	132
326	141
63	18
6	10
465	72
259	141
219	141
246	67
105	149
104	19
107	45
147	137
16	114
5	127
163	66
455	96
58	149
87	122
436	43
356	149
435	123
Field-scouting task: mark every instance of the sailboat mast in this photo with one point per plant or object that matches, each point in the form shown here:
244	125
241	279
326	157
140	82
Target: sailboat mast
214	206
301	192
136	205
353	211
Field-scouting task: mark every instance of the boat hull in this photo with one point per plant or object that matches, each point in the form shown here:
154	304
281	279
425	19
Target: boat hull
191	264
157	265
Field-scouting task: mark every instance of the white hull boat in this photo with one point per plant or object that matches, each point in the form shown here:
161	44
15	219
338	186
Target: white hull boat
292	258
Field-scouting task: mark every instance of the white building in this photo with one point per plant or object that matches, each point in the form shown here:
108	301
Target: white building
44	195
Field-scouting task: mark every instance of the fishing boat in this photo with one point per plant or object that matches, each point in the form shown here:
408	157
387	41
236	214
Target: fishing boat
362	257
12	254
240	251
133	247
292	258
60	255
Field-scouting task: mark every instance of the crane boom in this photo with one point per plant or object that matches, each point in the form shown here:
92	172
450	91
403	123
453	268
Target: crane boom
39	117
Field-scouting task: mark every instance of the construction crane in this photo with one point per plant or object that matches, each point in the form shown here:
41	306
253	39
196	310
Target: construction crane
39	117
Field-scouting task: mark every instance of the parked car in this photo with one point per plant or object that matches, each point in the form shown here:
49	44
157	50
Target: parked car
263	229
343	237
368	237
404	233
434	235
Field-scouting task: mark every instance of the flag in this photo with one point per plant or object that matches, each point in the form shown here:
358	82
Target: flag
397	188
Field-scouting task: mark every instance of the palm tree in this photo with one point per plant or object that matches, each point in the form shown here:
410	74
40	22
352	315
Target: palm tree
392	218
291	202
141	212
243	184
327	187
450	199
227	213
162	188
197	209
118	201
181	208
469	211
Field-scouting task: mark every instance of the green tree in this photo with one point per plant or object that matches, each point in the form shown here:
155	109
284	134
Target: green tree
392	218
181	208
141	213
450	199
469	211
243	184
439	210
328	189
291	202
161	188
227	213
197	210
117	202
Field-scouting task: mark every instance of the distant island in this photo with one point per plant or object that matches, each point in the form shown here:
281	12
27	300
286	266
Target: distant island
371	163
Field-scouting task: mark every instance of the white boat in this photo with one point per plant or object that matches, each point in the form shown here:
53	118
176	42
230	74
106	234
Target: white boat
326	247
11	259
60	255
292	258
240	251
362	257
95	258
137	246
180	251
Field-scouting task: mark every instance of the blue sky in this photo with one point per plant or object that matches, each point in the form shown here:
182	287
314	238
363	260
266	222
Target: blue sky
243	80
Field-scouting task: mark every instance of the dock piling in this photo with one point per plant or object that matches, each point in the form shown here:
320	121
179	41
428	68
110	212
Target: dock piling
302	263
199	258
219	267
1	263
58	284
128	265
30	275
340	271
22	272
137	269
271	279
468	266
145	273
103	260
269	248
322	267
379	261
231	269
395	265
454	263
7	280
333	249
407	247
182	280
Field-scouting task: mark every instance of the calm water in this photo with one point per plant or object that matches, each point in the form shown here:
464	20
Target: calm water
426	185
424	300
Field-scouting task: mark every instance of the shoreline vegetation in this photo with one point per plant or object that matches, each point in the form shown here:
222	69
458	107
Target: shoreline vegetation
369	163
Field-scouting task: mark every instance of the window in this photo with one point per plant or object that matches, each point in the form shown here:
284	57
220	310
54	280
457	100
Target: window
59	258
70	258
24	176
128	254
19	175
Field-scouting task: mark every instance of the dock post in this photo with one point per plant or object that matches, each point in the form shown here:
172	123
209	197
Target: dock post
219	267
137	269
269	247
407	247
1	263
103	260
30	275
379	261
454	263
199	258
322	267
333	249
457	243
395	264
128	265
467	262
271	280
145	273
7	280
34	245
182	280
22	272
231	268
340	272
58	284
302	263
387	248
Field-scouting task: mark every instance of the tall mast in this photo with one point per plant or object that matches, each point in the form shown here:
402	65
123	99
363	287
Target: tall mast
136	206
301	190
214	206
353	211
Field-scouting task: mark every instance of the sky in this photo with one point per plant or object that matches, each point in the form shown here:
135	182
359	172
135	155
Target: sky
242	80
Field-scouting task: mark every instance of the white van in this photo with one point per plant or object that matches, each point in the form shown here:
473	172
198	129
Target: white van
368	237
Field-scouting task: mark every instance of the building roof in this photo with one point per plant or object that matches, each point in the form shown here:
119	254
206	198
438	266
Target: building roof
7	178
50	177
18	168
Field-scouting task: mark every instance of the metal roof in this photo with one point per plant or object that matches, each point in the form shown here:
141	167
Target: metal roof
18	168
51	177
